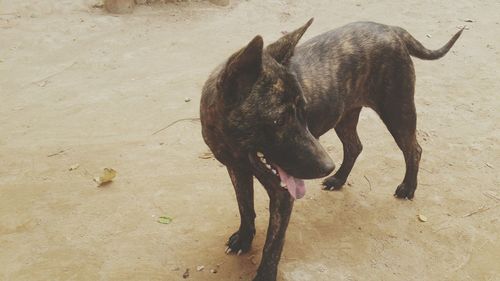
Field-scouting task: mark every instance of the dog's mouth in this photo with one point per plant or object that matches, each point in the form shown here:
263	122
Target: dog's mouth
277	175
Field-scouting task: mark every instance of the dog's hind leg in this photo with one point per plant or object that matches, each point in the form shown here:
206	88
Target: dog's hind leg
398	114
280	209
241	240
346	131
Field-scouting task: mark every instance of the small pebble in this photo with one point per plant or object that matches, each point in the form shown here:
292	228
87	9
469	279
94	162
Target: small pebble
74	167
186	274
200	267
187	99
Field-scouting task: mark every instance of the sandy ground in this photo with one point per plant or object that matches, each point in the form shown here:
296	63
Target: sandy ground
92	89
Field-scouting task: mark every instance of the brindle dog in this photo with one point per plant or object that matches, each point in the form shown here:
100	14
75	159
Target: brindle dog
263	110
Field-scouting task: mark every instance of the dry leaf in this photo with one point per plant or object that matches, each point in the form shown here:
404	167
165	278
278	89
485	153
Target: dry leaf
108	174
422	218
206	155
164	219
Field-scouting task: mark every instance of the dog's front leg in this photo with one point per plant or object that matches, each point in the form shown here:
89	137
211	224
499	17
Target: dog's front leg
241	240
280	208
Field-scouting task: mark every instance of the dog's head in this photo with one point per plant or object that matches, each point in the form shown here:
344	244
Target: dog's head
264	111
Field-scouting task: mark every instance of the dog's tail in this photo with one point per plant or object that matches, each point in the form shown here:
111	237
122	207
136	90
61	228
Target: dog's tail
416	48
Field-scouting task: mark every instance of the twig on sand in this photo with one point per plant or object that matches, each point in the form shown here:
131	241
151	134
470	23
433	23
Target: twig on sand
53	74
427	170
369	183
480	210
57	153
173	123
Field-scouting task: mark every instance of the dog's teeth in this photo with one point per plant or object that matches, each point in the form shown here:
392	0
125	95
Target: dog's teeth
268	166
260	154
263	160
228	250
274	171
282	184
239	252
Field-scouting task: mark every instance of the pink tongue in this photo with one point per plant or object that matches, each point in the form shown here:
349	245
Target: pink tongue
296	187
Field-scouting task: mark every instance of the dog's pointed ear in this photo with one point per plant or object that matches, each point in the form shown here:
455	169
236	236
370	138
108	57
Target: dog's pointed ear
282	50
242	68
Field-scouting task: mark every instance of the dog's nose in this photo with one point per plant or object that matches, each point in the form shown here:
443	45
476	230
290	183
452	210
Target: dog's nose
327	166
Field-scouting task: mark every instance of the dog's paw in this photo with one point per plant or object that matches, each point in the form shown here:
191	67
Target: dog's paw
239	243
333	183
404	191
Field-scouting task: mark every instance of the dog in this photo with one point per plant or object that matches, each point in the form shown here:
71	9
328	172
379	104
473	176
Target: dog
263	110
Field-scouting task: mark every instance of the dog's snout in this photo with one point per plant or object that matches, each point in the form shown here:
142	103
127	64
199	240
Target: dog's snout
327	166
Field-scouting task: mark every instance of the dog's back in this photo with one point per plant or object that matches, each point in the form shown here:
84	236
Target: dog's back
353	66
